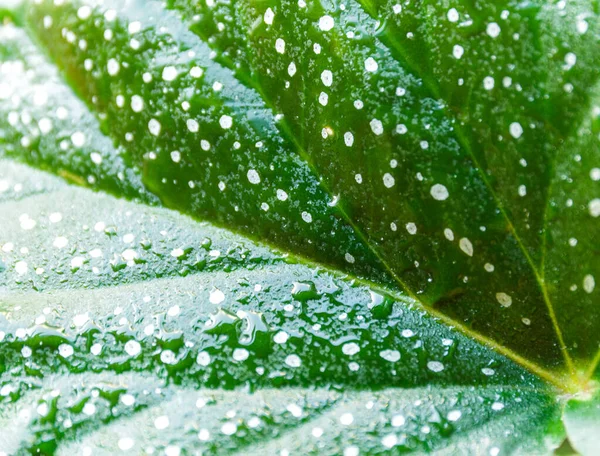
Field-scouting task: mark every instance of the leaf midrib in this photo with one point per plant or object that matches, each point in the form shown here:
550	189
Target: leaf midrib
560	383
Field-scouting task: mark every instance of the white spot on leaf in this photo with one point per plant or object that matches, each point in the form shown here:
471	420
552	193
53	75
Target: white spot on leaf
326	23
504	299
466	246
439	192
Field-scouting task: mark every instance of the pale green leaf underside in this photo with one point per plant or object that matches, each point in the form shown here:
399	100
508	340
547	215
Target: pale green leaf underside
582	419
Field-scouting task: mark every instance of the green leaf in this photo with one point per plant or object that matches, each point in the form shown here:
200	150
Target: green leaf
424	196
119	314
440	160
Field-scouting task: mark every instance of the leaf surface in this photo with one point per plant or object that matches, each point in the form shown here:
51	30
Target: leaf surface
443	158
425	197
117	314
